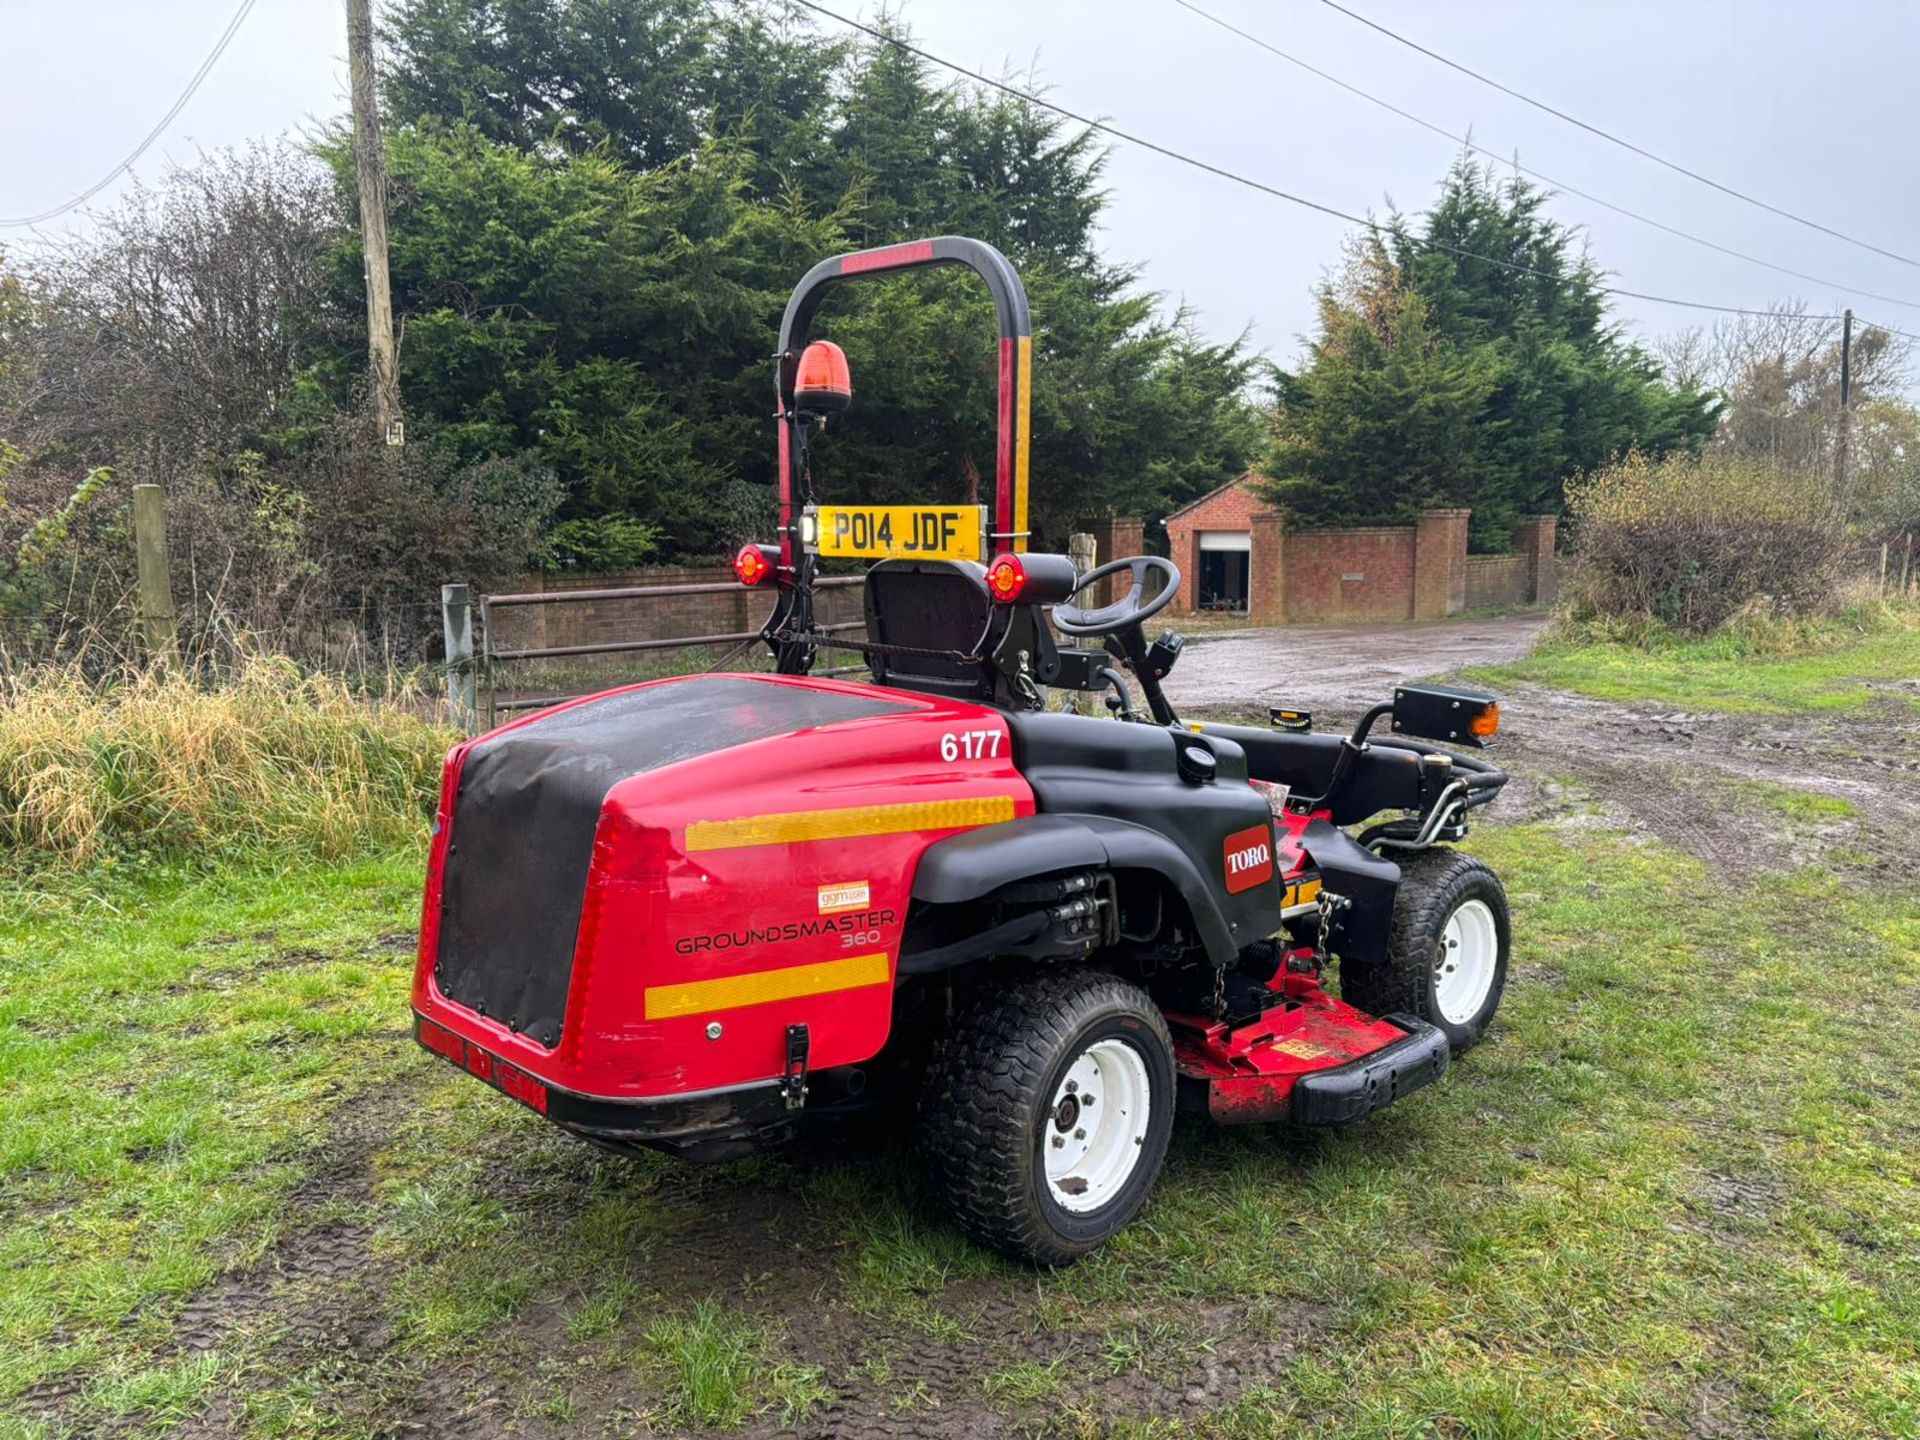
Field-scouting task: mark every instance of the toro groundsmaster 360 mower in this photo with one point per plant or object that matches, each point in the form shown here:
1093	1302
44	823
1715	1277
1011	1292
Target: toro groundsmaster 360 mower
705	914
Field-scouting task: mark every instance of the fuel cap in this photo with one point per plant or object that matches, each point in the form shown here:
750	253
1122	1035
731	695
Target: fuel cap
1197	765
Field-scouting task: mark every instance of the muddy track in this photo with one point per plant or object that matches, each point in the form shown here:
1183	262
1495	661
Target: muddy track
943	1388
1708	784
297	1297
316	1303
1747	795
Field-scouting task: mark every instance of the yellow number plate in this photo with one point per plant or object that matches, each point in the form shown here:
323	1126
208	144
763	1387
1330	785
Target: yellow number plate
901	532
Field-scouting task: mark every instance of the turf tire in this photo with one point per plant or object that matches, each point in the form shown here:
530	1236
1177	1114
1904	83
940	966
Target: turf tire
985	1110
1433	885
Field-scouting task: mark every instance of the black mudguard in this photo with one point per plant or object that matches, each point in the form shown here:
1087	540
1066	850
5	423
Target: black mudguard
1360	930
967	867
1156	808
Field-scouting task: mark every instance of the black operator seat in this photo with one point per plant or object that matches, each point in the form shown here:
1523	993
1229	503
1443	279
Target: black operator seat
931	605
982	651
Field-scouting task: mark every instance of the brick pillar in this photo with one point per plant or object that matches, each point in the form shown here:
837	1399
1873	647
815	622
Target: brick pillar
1535	540
1183	548
1267	570
1117	537
1440	564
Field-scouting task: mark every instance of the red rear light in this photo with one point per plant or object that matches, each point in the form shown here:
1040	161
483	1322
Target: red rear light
1007	579
753	564
521	1086
442	1041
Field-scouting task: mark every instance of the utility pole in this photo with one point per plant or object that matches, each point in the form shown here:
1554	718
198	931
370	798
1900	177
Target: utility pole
1846	406
370	168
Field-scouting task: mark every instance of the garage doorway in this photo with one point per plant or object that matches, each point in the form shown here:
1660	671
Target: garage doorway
1225	570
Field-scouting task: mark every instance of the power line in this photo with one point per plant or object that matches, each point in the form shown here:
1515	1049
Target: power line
1613	139
1467	142
1884	329
206	67
1101	127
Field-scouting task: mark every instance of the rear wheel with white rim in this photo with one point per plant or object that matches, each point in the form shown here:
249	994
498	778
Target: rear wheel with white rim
1047	1111
1446	959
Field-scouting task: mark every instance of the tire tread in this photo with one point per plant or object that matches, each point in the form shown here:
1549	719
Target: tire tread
981	1094
1430	886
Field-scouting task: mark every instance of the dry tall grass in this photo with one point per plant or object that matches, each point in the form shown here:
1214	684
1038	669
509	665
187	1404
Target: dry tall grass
265	760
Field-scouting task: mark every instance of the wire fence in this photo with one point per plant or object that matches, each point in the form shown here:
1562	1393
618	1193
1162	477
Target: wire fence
607	637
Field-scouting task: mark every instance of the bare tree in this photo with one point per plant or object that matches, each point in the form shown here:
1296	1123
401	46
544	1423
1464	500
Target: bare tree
171	339
1780	376
183	342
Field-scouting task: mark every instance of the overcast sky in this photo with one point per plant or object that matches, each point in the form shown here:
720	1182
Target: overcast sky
1809	107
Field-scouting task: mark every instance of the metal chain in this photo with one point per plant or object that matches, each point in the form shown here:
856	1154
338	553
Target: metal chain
875	647
1329	903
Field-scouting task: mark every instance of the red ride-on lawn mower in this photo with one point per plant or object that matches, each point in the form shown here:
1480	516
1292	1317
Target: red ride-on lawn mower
712	913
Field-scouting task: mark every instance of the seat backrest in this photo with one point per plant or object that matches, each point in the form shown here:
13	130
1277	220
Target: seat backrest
931	605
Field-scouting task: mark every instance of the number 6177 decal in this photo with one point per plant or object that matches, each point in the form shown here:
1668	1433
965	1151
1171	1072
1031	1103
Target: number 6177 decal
970	745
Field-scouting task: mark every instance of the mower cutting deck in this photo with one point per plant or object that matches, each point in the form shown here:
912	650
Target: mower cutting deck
719	912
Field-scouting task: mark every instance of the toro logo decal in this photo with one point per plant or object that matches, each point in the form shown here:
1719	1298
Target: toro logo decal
1249	858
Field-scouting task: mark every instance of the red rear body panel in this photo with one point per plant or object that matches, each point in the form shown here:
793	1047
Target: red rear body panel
751	888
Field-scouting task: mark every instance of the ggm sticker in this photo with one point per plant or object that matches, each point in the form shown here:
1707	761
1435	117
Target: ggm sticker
845	895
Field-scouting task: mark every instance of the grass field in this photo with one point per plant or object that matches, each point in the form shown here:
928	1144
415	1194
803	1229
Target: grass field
1676	1193
1835	668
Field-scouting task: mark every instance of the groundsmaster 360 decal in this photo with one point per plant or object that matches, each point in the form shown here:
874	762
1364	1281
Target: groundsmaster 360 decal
850	923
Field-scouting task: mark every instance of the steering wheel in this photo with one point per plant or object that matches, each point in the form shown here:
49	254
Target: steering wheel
1132	608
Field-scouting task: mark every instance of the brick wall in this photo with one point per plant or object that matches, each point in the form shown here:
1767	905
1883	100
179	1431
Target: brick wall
1267	571
667	617
1335	576
1440	563
1535	540
1498	582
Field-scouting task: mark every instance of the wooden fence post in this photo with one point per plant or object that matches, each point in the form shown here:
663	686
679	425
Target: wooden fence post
456	613
1083	550
157	619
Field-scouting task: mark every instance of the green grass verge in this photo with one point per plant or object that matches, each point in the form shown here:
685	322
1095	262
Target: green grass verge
170	1049
1835	671
1676	1193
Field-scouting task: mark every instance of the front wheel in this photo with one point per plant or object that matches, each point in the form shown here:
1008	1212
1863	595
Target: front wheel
1446	959
1047	1112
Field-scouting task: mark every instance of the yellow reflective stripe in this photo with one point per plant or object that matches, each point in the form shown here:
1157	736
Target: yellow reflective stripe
858	820
1301	892
1025	412
761	987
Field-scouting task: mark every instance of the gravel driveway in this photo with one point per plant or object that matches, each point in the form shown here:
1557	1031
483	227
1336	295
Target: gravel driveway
1341	668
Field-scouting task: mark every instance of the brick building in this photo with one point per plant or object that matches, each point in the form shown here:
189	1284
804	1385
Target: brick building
1228	544
1235	555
